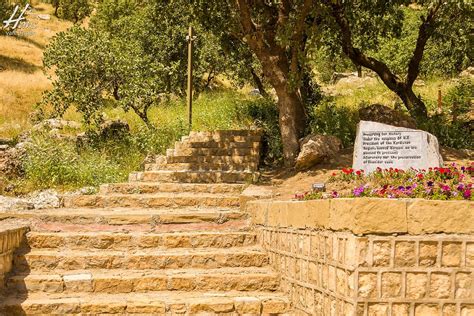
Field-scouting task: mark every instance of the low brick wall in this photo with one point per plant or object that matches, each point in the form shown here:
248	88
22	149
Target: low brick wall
371	256
11	237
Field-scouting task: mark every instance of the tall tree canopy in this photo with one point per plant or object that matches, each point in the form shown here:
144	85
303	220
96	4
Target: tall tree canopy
142	51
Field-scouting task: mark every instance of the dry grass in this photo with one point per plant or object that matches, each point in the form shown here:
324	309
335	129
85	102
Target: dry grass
374	91
22	80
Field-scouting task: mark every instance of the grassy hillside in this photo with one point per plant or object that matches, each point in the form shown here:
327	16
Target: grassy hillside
22	80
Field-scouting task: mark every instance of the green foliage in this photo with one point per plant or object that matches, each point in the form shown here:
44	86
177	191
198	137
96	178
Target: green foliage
453	127
264	113
445	54
52	163
5	11
329	119
72	10
459	98
449	133
133	57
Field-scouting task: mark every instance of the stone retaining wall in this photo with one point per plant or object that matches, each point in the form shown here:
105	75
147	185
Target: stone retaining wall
11	236
371	256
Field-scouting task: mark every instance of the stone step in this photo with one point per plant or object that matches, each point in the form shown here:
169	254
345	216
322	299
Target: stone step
49	260
214	152
211	159
152	200
130	218
138	187
138	240
153	303
222	135
216	144
185	176
141	281
249	166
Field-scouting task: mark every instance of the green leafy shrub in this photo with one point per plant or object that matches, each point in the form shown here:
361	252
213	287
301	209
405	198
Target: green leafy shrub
264	113
453	127
459	98
329	119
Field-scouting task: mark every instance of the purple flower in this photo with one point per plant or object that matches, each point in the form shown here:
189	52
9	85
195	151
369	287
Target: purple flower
401	188
358	191
430	183
460	187
463	168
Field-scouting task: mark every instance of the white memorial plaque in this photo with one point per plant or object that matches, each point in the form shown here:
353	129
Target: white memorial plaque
386	146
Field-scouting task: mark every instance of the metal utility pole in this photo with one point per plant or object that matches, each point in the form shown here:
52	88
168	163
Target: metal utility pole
190	39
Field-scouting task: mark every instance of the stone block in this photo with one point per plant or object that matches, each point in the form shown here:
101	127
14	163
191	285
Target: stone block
440	285
405	254
470	254
368	215
416	285
400	309
367	285
427	217
378	309
467	310
274	306
257	211
449	310
391	284
428	253
277	214
382	251
308	214
247	305
426	310
451	255
464	282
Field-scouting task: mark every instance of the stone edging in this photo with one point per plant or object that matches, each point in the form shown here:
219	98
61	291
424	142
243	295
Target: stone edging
367	215
11	237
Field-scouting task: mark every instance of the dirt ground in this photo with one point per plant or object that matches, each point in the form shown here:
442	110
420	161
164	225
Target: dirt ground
285	183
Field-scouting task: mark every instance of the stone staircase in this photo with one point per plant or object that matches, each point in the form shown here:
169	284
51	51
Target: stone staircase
171	241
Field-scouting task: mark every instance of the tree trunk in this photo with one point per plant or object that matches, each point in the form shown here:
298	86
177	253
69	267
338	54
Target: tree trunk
412	102
292	121
359	71
258	82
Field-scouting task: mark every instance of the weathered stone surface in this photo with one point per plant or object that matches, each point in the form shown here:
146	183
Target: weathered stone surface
416	285
315	149
440	285
391	284
425	217
386	146
363	216
368	285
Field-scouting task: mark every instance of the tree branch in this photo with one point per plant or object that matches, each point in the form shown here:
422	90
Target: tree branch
389	78
425	31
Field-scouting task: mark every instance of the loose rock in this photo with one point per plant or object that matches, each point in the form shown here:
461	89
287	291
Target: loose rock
316	149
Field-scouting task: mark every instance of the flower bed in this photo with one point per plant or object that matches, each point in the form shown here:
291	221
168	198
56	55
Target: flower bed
450	183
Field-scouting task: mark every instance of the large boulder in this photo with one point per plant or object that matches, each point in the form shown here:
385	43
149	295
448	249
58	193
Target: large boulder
315	149
114	129
383	114
385	146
